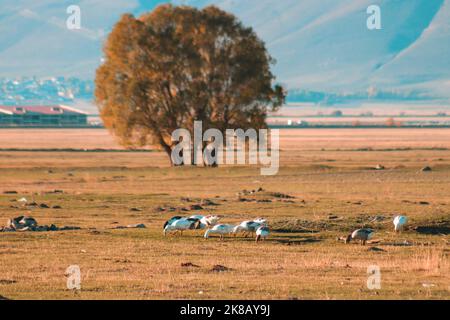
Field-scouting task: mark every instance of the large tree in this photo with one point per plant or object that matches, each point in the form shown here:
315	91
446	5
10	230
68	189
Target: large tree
170	67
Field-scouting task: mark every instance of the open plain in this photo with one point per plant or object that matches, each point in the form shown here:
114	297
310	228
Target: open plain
331	181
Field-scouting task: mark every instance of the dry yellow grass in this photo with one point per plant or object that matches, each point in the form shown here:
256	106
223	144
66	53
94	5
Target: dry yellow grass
292	139
329	173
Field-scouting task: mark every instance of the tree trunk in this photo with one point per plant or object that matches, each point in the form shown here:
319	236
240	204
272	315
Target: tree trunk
213	153
167	149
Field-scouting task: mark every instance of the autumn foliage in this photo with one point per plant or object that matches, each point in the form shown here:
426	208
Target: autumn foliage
175	65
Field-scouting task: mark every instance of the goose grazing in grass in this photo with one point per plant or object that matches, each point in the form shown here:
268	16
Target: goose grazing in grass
221	229
180	224
262	233
361	234
249	226
399	223
171	220
206	221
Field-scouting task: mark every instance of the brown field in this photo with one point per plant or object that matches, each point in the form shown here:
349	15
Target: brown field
329	172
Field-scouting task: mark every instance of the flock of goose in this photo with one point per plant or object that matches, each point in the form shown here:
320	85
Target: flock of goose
210	223
256	227
366	233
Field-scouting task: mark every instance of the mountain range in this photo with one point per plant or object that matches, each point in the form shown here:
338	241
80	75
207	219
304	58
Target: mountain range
319	45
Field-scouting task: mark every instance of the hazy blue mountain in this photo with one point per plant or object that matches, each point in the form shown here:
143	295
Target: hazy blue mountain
326	45
34	39
320	45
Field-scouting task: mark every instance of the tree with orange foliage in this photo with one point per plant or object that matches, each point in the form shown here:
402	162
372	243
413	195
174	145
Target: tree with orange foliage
175	65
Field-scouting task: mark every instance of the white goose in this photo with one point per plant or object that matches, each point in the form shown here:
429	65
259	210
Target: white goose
22	200
399	223
180	224
206	221
221	229
171	220
262	233
249	226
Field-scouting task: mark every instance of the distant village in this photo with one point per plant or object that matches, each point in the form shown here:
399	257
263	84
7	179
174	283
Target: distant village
44	91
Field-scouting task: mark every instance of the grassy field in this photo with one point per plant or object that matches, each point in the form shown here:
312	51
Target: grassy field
330	174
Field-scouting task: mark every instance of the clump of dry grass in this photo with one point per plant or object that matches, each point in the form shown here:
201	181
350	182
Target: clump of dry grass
431	260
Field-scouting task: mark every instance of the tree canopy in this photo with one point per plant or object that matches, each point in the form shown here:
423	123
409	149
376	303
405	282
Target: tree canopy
177	64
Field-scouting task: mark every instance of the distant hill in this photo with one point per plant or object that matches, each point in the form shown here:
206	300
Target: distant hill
326	46
320	46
